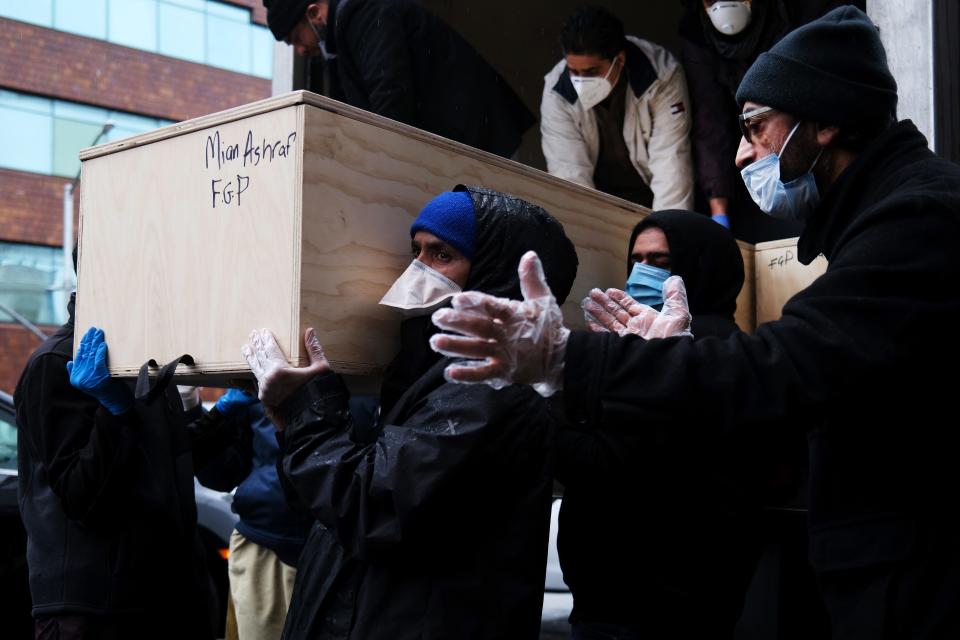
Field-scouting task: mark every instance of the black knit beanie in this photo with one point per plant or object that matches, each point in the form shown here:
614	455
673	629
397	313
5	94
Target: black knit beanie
283	15
832	70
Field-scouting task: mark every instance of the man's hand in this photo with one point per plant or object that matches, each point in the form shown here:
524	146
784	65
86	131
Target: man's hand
89	373
189	396
506	341
234	401
615	311
276	378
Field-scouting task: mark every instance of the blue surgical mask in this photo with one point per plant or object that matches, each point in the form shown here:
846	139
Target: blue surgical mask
794	200
645	284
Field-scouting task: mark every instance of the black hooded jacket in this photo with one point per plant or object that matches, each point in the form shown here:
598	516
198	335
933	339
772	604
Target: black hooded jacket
663	544
860	360
436	525
111	535
398	60
708	259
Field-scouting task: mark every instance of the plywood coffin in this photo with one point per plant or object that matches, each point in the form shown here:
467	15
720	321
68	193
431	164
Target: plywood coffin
779	275
287	213
294	212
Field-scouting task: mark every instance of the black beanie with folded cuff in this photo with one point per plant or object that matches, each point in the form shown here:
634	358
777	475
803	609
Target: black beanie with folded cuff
832	70
283	15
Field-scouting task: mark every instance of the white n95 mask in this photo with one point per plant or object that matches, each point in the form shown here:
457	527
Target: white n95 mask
420	290
729	18
592	91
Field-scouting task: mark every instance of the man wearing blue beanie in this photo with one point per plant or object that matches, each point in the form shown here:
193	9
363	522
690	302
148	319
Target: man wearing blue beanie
856	360
450	217
434	522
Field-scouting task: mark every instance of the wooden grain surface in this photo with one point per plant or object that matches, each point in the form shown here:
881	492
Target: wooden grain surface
317	237
362	191
197	279
166	269
780	275
746	314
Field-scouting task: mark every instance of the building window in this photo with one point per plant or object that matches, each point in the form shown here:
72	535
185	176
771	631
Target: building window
41	135
8	443
132	23
35	12
31	283
26	136
202	31
82	17
182	33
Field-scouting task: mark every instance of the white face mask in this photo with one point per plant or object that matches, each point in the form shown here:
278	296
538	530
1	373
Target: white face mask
794	200
729	18
592	91
420	290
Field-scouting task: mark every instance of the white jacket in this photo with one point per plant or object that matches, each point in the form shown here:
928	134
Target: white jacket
656	126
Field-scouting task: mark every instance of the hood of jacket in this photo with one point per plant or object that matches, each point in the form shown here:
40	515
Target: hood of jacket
704	254
507	227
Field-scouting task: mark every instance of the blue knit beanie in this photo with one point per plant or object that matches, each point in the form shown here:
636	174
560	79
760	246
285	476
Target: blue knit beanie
450	217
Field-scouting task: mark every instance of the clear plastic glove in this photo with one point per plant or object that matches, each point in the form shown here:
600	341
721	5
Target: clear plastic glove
615	311
234	401
189	396
89	373
277	379
506	341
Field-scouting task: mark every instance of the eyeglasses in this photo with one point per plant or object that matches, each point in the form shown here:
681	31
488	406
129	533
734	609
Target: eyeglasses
744	120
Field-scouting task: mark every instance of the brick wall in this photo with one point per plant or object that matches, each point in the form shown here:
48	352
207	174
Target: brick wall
70	67
259	11
56	64
31	208
16	345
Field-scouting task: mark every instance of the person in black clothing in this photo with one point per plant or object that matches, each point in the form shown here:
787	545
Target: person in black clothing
666	550
715	62
435	523
398	60
857	358
106	498
269	536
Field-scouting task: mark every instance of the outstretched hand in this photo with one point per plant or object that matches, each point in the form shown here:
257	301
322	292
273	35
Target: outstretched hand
506	341
615	311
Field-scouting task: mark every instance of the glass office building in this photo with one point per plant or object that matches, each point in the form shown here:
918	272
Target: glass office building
77	66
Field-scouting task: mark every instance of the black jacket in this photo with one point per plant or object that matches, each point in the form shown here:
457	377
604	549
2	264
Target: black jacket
435	523
248	467
398	60
859	359
447	510
714	65
105	536
664	544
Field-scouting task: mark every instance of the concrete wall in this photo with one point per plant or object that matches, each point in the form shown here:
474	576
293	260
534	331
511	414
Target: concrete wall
906	29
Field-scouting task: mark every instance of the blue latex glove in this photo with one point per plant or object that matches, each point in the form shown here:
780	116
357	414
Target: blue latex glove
88	373
721	219
234	401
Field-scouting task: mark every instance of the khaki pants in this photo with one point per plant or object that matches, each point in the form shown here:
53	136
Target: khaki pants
260	587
